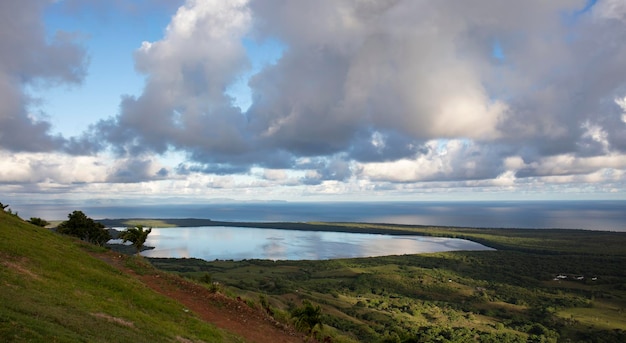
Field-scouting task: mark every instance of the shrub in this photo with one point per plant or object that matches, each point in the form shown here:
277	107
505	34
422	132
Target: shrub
85	228
307	317
38	222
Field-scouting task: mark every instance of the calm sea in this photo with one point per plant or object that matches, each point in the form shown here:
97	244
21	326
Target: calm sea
590	215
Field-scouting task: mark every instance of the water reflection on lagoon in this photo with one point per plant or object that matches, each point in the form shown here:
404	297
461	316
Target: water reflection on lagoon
226	243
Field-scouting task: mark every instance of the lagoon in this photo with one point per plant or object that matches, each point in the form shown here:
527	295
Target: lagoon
236	243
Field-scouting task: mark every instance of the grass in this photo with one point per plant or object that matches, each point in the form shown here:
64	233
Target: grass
603	315
53	290
160	223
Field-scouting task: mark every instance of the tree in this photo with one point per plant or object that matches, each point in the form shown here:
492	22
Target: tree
136	235
307	317
39	222
7	210
85	228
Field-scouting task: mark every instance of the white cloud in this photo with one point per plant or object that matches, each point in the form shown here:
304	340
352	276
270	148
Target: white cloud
371	83
184	104
275	174
52	167
386	97
612	9
28	58
597	134
621	102
569	164
445	160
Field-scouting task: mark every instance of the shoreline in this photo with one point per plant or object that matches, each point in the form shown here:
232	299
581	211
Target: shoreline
543	241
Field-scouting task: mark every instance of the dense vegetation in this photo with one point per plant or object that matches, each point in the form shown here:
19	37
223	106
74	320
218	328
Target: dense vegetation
540	286
51	289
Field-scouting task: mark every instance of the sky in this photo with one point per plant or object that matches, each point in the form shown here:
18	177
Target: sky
136	101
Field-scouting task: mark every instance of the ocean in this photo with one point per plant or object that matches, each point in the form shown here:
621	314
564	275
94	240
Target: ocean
590	215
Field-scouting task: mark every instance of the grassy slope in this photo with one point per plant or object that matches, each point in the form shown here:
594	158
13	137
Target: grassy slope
52	290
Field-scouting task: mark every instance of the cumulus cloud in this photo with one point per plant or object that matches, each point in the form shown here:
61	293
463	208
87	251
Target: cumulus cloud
365	70
275	174
621	102
444	160
184	104
59	168
367	95
569	164
46	167
612	9
373	82
136	170
29	59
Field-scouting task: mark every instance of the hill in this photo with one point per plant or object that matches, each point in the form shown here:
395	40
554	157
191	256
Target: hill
56	288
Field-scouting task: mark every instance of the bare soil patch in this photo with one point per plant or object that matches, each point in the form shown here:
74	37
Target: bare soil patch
17	264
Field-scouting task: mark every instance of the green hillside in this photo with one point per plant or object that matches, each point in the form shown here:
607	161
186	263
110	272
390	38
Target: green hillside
52	290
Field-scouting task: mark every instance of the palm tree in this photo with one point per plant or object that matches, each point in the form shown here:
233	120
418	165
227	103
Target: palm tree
136	235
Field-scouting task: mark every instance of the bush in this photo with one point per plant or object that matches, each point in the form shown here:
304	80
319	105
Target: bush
307	317
206	278
38	222
85	228
216	287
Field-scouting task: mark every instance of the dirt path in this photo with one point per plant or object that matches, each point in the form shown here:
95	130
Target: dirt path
232	315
